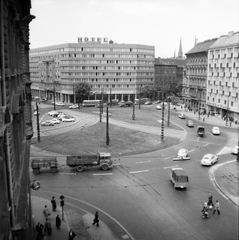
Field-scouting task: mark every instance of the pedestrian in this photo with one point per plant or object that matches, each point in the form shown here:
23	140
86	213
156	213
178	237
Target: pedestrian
46	212
210	201
48	228
39	229
230	123
216	208
58	222
72	235
96	219
203	119
53	203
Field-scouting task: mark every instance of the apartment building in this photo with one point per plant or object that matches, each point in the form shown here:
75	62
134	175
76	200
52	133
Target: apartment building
117	70
15	120
169	74
195	81
223	76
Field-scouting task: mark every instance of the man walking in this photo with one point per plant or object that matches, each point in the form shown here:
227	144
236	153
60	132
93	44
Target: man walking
46	212
96	219
216	208
53	203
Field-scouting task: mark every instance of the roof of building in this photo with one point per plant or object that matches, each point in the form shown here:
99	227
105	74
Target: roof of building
202	46
171	61
226	40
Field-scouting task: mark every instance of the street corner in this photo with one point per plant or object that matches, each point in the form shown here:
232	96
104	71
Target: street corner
97	233
226	178
76	223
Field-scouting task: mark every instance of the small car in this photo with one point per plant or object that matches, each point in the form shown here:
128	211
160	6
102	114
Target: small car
209	159
51	113
68	119
157	102
35	112
74	106
181	115
182	153
60	104
235	150
43	99
148	103
47	123
158	107
55	121
128	103
189	123
121	103
215	131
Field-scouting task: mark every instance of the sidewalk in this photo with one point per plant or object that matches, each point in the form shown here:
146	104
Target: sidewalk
80	224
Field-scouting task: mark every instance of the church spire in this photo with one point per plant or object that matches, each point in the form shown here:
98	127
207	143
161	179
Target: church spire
195	40
180	52
174	54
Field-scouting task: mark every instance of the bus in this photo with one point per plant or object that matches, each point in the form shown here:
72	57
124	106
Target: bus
90	103
141	101
179	178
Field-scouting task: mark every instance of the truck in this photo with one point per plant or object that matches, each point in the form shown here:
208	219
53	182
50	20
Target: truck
101	159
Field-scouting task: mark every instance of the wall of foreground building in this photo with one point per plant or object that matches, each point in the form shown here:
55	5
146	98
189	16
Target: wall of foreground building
15	120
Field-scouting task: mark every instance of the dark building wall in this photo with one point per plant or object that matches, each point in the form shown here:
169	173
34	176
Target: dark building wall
15	119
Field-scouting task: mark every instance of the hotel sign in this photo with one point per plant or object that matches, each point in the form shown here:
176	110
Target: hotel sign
92	40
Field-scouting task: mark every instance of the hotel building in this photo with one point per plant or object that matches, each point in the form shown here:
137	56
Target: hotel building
116	70
223	76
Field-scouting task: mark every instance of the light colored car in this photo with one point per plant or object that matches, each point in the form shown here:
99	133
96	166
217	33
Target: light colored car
51	113
60	104
215	131
158	107
190	123
55	121
209	159
235	150
68	119
182	116
47	123
74	106
182	153
121	103
35	112
148	103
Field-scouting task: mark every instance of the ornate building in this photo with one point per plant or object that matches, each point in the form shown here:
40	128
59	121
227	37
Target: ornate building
15	120
195	80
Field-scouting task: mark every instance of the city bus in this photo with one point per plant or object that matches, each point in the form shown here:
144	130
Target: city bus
90	103
141	101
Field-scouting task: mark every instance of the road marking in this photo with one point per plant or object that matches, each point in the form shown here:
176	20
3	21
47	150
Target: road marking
102	174
142	162
67	173
171	166
170	157
139	171
191	150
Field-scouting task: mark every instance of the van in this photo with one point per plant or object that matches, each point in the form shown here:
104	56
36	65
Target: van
179	178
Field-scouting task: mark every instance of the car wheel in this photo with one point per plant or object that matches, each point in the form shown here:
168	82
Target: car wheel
79	168
104	167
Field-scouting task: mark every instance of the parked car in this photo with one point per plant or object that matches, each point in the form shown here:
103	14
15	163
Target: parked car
68	119
158	107
47	123
209	159
215	131
128	103
190	123
181	115
74	106
157	102
148	103
122	103
55	121
51	113
235	150
60	104
43	99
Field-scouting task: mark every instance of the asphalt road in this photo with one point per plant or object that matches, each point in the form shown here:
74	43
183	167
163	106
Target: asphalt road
138	194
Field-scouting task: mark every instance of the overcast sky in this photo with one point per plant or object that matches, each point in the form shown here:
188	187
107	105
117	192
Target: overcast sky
159	23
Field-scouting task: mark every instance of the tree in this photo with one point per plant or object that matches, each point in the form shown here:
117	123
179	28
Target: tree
82	90
148	91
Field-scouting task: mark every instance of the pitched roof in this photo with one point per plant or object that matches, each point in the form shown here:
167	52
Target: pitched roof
226	40
171	61
202	46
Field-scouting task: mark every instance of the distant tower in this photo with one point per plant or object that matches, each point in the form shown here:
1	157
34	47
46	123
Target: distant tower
180	52
195	43
174	54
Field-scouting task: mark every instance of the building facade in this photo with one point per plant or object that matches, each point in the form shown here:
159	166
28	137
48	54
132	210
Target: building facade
169	74
223	76
117	70
15	120
195	81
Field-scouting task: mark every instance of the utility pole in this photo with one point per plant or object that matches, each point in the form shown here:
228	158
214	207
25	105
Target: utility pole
139	97
238	146
74	94
107	126
133	115
38	125
110	98
100	111
162	124
199	106
227	111
168	112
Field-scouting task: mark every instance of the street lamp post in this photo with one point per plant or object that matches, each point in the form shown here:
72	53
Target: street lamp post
199	105
168	112
107	127
227	111
38	124
139	97
133	115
